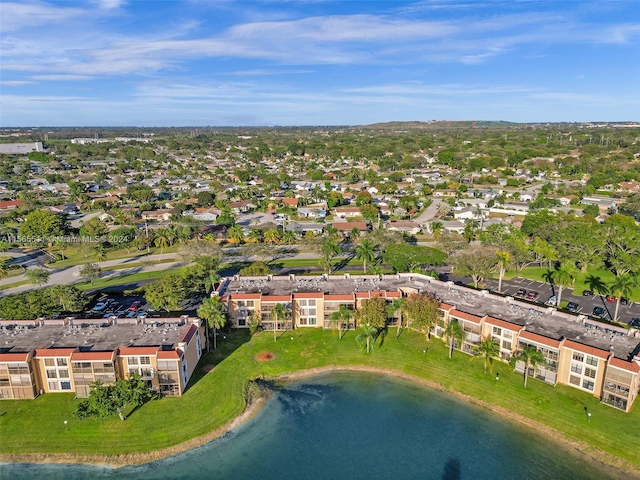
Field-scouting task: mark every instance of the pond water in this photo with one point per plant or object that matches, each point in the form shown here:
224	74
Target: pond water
355	426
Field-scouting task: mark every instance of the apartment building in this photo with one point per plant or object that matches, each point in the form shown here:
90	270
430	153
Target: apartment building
68	355
580	352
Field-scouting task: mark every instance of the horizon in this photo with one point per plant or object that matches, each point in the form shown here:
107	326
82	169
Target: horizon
154	64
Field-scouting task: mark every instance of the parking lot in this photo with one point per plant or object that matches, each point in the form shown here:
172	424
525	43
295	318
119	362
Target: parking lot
113	304
584	304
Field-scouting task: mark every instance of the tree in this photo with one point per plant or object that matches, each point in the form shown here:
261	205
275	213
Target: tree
454	333
236	234
369	212
101	253
162	239
563	276
476	263
340	317
623	286
365	251
531	358
422	310
205	199
41	226
372	311
368	336
487	350
437	228
166	293
4	271
69	297
108	400
93	228
271	236
212	311
91	271
279	311
38	276
504	258
395	308
255	269
402	256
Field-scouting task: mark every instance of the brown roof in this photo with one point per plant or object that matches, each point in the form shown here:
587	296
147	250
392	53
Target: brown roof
276	298
245	296
13	357
624	365
501	323
586	349
93	355
465	316
334	298
308	295
138	350
54	352
534	337
190	333
169	354
348	226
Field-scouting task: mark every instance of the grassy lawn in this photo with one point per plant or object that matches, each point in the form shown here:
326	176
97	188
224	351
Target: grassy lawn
134	277
75	256
536	273
216	397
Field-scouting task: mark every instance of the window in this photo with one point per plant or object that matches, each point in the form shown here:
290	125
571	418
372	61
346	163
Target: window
589	372
592	361
497	331
53	385
65	385
63	373
62	362
588	384
506	345
574	380
132	360
506	334
575	368
145	360
578	357
52	374
49	362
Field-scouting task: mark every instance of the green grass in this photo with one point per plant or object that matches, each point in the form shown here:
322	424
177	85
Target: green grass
14	284
37	426
74	256
536	273
134	277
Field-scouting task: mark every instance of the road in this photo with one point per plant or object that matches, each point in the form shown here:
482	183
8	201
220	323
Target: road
428	212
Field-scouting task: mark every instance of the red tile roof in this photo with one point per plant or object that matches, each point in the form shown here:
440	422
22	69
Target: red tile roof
193	329
276	298
14	357
624	365
245	296
334	298
308	295
54	352
465	316
138	350
445	306
596	352
534	337
75	356
502	324
169	354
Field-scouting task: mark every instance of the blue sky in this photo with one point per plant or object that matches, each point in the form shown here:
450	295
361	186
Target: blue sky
315	62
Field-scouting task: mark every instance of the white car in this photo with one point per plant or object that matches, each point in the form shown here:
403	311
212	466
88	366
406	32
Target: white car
100	306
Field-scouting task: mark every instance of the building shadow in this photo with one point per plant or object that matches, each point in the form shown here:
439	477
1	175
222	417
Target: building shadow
452	470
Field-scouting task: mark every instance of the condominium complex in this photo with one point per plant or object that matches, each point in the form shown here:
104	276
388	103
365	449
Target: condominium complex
595	357
67	355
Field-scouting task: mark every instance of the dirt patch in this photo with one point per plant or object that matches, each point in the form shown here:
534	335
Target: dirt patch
208	367
264	357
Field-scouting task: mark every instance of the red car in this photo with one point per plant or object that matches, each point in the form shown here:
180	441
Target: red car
611	298
135	306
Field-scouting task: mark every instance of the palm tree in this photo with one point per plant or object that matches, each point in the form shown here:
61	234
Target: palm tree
368	335
623	286
366	251
563	277
279	311
340	317
394	308
162	239
255	235
212	311
487	350
271	236
454	333
597	285
39	276
101	253
504	258
531	358
289	237
437	228
236	234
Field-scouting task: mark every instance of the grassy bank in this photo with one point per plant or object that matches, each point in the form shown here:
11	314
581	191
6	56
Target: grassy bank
37	426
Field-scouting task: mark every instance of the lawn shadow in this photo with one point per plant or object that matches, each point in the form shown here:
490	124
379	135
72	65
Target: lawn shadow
227	343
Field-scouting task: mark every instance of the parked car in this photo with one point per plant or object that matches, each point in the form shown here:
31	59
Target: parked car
635	322
100	306
598	311
624	301
131	314
135	306
520	293
572	307
552	301
587	293
532	295
611	298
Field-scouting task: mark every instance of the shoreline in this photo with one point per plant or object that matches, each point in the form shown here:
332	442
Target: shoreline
622	468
